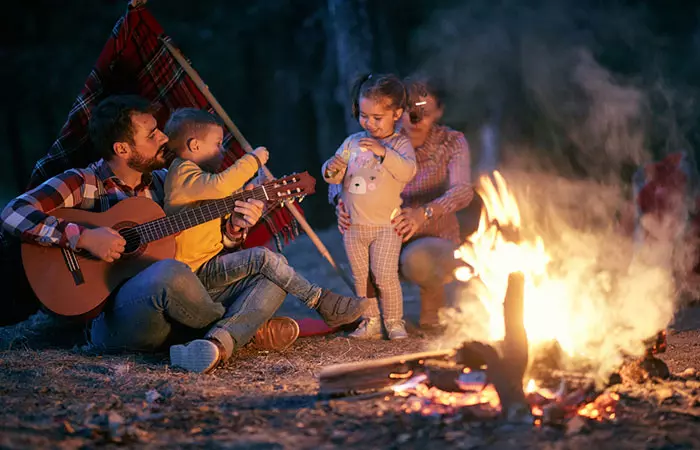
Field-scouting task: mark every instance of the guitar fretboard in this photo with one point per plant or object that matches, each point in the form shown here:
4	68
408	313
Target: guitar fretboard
191	217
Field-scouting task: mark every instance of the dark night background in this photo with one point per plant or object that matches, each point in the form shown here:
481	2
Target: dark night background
585	88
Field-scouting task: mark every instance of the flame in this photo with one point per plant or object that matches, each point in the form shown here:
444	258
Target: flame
491	254
569	308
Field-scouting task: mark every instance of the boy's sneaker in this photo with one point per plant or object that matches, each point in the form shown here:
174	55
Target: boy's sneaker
199	356
368	329
339	310
278	333
396	329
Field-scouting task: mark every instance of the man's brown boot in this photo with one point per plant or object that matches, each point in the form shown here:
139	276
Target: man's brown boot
431	300
277	333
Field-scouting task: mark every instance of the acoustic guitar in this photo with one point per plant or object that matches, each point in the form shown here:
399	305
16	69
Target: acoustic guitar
76	284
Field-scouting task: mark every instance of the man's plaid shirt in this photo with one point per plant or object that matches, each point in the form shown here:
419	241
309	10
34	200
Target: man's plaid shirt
28	216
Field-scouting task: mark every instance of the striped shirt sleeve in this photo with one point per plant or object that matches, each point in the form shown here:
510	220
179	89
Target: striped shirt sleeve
29	215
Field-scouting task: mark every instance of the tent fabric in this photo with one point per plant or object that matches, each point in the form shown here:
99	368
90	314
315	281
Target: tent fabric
135	61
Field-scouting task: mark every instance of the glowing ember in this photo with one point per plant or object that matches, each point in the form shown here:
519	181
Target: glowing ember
430	400
426	400
603	408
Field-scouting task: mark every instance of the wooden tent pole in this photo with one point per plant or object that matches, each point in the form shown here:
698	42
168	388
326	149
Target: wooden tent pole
247	147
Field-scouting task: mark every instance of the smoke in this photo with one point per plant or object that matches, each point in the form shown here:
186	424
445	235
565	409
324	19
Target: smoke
571	134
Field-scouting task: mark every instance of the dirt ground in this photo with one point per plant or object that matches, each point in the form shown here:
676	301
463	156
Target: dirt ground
53	395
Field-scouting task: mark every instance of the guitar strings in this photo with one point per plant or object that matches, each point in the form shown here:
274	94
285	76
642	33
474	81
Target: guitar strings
151	230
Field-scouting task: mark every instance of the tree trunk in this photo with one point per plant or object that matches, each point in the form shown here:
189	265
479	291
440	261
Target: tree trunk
353	43
14	136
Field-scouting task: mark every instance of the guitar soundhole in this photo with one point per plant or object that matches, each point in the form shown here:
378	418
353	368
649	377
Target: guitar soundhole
133	241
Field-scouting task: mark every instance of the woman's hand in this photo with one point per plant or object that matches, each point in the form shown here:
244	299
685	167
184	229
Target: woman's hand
373	146
408	222
343	217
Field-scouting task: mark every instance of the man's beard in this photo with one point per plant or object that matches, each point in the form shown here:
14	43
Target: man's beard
143	165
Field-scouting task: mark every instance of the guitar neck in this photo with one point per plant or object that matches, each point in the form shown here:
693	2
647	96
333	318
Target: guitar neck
191	217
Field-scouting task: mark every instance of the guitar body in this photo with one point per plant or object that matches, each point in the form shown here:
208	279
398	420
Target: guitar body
81	294
77	285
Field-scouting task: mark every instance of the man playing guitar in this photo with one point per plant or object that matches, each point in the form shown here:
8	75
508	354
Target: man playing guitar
144	312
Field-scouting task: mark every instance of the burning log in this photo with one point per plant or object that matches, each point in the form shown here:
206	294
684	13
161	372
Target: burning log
506	372
343	379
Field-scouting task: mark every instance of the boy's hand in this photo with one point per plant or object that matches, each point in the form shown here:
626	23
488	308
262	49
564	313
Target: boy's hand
246	213
373	146
262	154
104	243
336	164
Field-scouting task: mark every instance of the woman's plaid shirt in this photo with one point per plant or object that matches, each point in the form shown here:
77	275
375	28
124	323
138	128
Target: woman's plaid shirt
94	188
443	178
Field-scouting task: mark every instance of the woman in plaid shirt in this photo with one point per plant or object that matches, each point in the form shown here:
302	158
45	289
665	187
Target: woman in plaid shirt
442	186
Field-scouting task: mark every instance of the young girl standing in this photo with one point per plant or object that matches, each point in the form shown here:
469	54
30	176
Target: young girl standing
373	166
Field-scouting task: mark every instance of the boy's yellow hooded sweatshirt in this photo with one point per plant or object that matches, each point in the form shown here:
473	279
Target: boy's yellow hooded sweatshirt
186	186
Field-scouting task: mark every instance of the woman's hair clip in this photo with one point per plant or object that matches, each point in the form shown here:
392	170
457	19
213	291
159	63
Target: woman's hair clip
417	112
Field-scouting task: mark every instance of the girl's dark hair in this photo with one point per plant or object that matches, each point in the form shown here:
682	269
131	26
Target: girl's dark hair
110	121
376	86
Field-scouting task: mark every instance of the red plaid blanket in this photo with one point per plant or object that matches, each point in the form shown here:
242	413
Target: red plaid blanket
135	61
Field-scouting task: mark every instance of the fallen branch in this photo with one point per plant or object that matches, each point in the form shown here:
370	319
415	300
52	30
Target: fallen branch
375	374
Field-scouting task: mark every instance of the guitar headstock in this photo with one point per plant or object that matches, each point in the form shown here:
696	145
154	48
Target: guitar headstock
294	186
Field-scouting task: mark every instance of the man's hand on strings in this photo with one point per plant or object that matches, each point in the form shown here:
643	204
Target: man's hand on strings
104	243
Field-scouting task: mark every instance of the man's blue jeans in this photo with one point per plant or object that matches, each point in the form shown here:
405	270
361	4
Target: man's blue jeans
234	292
147	310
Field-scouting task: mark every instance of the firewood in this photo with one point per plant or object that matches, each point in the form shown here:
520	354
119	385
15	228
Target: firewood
377	373
507	375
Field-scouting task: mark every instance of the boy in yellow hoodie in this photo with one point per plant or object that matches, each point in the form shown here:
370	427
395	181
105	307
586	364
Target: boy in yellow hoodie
196	138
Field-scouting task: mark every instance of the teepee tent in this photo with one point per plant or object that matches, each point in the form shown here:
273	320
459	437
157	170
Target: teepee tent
136	60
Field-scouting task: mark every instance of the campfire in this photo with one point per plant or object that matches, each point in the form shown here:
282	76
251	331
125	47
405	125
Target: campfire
538	354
